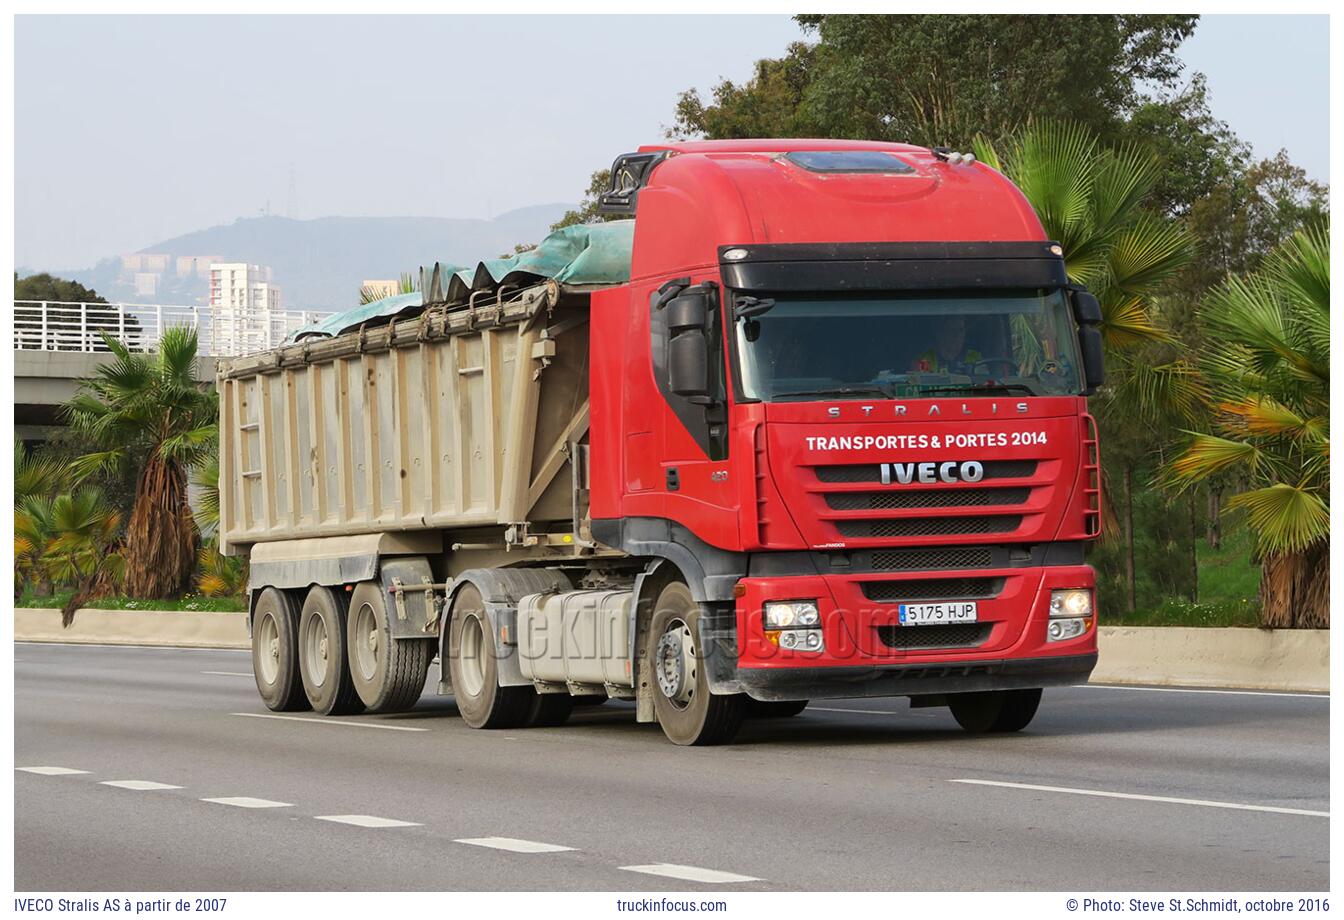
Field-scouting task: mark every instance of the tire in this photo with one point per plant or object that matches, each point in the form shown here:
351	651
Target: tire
548	709
388	674
756	709
275	652
323	663
994	710
482	702
687	711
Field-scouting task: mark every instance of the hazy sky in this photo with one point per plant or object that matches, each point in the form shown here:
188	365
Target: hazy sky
130	130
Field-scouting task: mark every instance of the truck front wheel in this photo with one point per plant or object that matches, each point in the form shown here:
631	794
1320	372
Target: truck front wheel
388	673
994	710
275	652
674	663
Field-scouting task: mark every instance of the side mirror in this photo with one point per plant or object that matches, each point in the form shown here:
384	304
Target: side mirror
1087	312
688	344
1086	308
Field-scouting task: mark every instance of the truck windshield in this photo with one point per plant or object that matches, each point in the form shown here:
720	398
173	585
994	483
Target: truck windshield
839	346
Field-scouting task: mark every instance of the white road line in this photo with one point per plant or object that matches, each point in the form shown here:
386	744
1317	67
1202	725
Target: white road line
391	728
1147	798
242	801
690	873
869	712
1309	696
366	821
51	771
513	845
140	785
229	673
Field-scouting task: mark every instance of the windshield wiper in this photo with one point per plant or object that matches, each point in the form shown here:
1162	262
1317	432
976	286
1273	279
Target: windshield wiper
837	391
1001	389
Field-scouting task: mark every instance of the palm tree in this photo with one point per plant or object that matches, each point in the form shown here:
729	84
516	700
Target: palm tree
36	475
82	552
1267	365
1091	200
151	402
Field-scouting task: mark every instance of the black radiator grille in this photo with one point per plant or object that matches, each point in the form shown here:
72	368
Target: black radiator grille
930	527
872	472
925	498
950	557
958	635
928	589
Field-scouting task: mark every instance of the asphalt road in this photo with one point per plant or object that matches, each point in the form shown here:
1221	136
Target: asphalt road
1203	791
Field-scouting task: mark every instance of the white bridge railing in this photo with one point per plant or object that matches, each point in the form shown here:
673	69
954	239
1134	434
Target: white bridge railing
42	325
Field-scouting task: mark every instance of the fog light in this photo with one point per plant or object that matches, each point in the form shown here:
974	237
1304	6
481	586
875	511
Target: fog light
1062	629
1071	602
798	640
791	614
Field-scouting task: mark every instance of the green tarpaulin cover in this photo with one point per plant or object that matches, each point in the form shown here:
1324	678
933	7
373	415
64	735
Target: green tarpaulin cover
580	254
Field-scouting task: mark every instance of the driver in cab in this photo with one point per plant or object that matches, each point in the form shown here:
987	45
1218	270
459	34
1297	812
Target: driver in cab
949	354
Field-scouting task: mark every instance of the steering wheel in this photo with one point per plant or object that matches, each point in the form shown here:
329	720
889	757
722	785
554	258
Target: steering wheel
1006	363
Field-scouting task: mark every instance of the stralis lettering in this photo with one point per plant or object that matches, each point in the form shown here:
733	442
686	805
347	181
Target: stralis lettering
908	441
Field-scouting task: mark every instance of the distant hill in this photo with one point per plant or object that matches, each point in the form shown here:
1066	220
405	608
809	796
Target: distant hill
320	263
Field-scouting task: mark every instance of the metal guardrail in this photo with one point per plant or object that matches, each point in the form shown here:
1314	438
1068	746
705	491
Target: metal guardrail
42	325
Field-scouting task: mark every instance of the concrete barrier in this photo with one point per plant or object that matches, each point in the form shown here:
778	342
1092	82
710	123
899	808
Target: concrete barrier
182	628
1262	659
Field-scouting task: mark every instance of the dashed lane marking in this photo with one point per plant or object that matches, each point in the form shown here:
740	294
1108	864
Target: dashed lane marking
229	673
513	845
310	721
690	873
1309	696
1169	800
51	771
139	785
242	801
366	821
869	712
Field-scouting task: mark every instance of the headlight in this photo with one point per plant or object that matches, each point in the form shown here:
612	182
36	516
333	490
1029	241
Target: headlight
791	615
1071	602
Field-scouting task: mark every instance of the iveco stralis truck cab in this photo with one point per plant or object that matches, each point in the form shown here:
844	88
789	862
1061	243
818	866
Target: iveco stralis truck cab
844	396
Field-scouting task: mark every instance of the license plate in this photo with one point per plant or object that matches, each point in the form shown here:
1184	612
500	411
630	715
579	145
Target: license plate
937	614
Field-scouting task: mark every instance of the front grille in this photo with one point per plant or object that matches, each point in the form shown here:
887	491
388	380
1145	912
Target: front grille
926	589
959	635
924	498
951	557
872	472
930	527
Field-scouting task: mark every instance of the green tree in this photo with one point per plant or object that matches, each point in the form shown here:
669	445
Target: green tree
64	323
1267	363
1092	199
83	550
48	287
941	79
151	403
586	213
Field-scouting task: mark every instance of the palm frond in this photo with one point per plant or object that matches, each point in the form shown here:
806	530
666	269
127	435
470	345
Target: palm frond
1286	518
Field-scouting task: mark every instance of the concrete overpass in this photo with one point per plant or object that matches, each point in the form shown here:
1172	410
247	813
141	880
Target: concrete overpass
58	345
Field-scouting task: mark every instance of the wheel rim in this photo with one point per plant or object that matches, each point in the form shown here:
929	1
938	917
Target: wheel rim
316	647
268	644
471	665
364	654
675	664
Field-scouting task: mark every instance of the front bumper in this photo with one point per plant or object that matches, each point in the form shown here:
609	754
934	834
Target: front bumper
801	683
1012	651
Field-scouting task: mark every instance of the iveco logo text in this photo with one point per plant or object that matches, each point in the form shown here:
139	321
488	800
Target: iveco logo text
906	473
934	409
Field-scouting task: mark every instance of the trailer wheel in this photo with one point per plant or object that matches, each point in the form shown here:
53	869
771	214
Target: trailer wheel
275	652
548	709
482	702
323	662
687	711
388	674
758	709
994	710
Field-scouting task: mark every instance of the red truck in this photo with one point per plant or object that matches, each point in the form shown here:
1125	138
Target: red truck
827	437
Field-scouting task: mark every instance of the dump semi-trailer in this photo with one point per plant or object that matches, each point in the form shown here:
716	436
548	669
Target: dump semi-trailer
812	424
